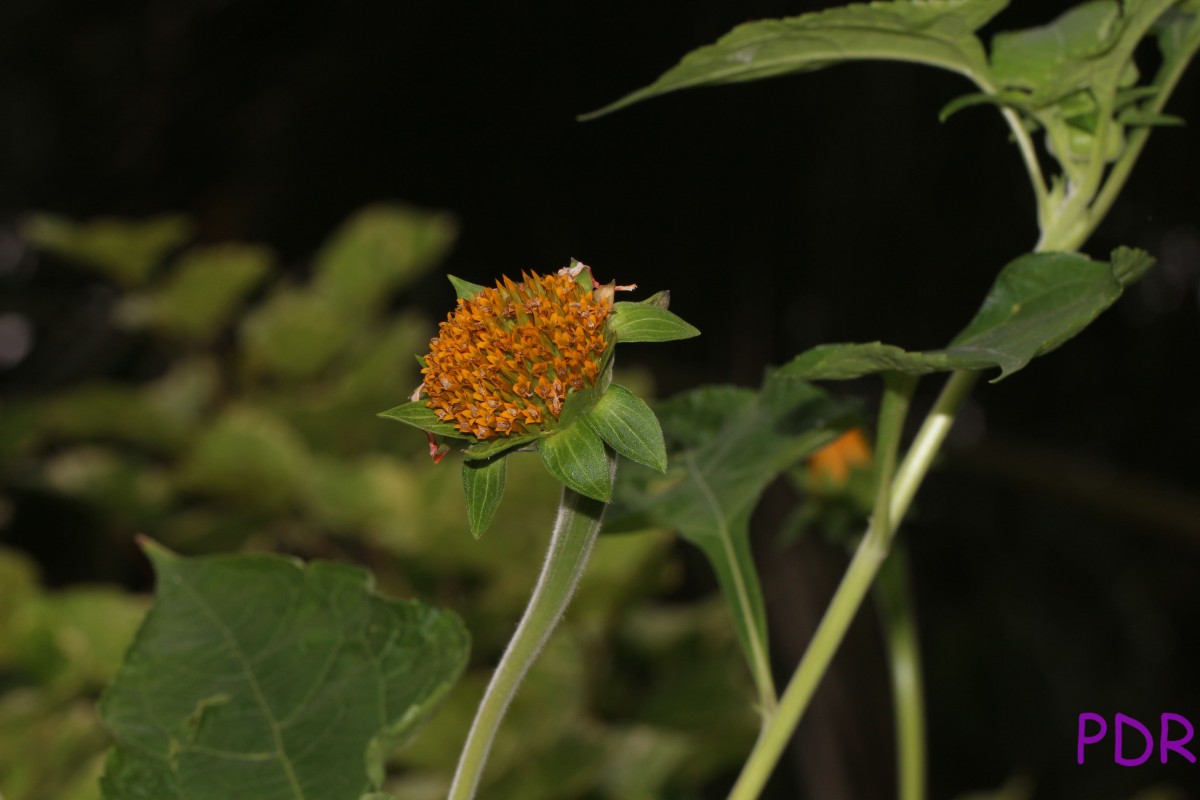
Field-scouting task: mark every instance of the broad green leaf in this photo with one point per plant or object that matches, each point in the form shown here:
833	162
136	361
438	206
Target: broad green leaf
1045	60
258	671
416	414
465	290
575	455
939	33
201	293
714	481
483	483
127	251
627	425
1039	301
641	322
377	251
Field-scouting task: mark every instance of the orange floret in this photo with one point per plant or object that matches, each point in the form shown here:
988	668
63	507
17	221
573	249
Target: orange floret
505	360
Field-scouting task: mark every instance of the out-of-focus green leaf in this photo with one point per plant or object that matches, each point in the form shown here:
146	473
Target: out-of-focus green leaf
377	251
648	322
1038	302
204	288
257	671
18	588
1047	60
712	485
295	334
483	485
126	251
249	458
75	638
939	33
111	412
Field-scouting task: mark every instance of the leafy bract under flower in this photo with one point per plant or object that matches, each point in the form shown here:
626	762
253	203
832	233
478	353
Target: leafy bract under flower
529	366
505	359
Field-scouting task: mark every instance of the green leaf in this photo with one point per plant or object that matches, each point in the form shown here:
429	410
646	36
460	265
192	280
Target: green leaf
418	415
575	456
627	425
1039	301
1047	60
500	444
258	671
202	292
715	480
483	483
377	251
937	32
639	322
465	290
127	251
297	333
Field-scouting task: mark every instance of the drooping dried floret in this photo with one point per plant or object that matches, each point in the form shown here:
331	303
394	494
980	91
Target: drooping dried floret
504	360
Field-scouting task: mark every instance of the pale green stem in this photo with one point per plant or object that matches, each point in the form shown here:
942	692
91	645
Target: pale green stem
894	593
849	596
575	530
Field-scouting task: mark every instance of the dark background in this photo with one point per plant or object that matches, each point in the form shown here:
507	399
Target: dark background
1056	556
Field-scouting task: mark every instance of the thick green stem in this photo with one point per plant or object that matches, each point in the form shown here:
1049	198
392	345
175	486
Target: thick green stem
574	534
849	596
894	593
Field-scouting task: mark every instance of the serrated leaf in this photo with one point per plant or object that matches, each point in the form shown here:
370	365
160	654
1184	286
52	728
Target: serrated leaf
575	456
483	483
639	322
939	33
1038	301
627	425
203	290
714	480
258	671
464	290
418	415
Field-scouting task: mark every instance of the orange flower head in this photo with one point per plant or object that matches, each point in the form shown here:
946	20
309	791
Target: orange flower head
830	466
505	359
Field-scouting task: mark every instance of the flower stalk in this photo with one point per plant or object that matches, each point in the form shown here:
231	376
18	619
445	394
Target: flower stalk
575	530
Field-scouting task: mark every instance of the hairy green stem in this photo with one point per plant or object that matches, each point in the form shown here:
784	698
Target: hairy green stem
894	593
849	596
575	531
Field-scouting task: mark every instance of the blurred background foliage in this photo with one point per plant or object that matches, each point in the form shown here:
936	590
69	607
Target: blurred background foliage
260	434
1055	551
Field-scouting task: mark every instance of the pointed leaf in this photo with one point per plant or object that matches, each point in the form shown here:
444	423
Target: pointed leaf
1039	301
258	671
627	425
501	444
715	479
939	33
465	290
483	483
127	251
575	455
641	322
419	416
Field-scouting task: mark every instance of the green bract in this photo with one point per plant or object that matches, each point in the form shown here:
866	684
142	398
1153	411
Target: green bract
529	366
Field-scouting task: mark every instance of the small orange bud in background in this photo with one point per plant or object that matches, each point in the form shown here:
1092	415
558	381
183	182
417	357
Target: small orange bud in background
830	467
